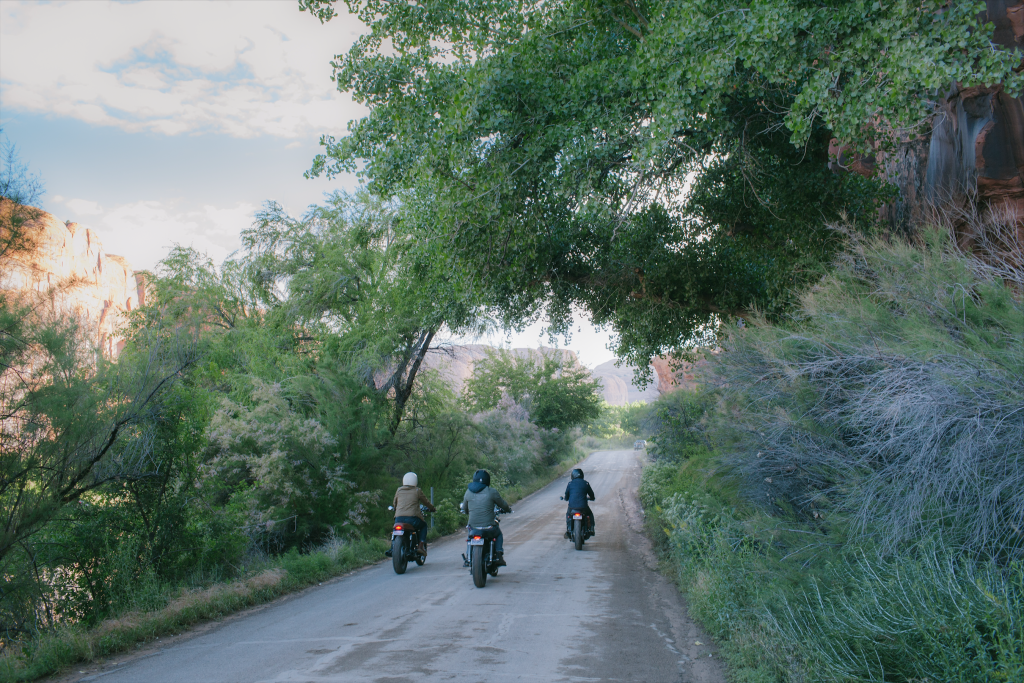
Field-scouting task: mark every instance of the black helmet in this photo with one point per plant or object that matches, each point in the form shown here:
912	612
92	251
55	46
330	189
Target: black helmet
577	473
482	477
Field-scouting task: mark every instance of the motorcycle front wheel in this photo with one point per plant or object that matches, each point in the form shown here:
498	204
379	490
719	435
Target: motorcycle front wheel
479	568
577	533
398	559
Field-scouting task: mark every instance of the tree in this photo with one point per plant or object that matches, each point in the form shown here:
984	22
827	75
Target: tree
657	164
20	189
558	394
348	277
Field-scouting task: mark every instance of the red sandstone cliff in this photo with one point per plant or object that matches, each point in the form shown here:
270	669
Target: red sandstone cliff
69	266
677	374
971	159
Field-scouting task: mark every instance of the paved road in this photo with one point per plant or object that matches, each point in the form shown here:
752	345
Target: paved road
554	614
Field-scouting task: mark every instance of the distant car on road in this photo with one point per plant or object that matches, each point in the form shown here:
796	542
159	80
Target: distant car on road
639	445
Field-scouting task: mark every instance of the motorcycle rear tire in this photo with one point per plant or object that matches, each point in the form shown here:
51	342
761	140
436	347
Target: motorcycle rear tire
577	533
479	567
398	559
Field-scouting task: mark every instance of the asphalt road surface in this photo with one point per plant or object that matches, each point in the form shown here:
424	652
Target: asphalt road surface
554	614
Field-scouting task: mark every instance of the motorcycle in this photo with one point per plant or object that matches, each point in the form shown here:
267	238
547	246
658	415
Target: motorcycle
404	541
481	556
577	526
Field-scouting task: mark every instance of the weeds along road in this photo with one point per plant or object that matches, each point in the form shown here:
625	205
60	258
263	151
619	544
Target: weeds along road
554	614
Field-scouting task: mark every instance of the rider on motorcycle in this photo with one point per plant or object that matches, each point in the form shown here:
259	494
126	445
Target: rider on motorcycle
480	500
577	493
408	499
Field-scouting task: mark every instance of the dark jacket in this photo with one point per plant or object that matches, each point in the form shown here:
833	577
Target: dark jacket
481	501
577	493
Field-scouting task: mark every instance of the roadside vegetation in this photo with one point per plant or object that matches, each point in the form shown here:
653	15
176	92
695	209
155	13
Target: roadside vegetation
248	438
843	499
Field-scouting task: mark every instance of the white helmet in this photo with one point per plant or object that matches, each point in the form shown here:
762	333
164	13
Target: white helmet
410	479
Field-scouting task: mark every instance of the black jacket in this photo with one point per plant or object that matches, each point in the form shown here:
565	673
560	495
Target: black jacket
577	493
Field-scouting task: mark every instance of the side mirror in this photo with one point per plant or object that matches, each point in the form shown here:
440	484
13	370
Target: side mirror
391	507
561	498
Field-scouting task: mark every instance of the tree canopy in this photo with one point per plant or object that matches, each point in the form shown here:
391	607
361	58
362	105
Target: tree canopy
653	164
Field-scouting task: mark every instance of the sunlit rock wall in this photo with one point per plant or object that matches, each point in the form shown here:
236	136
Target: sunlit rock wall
69	269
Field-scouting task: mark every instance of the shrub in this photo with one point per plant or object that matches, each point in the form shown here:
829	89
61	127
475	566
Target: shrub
849	509
448	519
895	398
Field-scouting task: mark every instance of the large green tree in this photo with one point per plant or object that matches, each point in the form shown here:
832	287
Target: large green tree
654	163
558	394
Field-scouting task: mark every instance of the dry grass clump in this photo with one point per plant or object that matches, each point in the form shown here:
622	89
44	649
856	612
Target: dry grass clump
852	509
895	398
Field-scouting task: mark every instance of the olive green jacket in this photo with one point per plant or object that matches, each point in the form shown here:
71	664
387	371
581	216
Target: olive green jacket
481	505
407	502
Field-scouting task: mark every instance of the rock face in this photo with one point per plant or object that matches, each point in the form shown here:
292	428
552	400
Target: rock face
674	375
69	266
971	160
618	385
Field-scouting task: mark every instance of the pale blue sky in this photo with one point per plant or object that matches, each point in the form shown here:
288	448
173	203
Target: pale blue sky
172	121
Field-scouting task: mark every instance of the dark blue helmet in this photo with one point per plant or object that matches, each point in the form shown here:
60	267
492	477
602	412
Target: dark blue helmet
577	473
483	477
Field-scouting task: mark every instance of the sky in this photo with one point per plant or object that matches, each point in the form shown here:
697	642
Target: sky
171	122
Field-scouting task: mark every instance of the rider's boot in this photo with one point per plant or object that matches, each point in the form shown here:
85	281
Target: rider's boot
501	560
422	549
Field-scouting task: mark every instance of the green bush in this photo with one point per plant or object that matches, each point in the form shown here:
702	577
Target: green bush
448	519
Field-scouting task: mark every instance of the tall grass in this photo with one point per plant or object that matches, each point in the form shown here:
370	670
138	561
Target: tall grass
895	398
851	508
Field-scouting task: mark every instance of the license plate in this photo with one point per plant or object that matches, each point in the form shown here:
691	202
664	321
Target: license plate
398	532
577	516
476	541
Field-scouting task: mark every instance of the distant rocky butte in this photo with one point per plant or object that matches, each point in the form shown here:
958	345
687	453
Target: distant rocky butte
71	269
618	385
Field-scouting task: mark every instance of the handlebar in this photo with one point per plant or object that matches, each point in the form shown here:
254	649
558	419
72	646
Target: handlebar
423	508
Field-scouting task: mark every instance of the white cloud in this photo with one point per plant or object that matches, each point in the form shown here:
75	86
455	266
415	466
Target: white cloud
171	67
144	231
83	207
